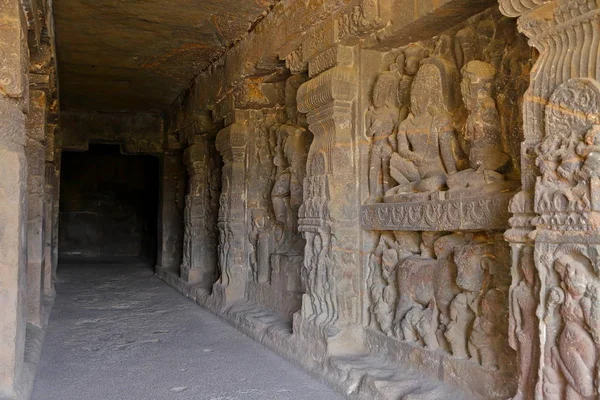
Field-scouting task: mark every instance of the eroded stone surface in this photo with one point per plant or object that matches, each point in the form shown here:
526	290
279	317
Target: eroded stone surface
166	45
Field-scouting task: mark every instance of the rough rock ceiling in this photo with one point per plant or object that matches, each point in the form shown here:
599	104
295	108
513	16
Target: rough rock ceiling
139	54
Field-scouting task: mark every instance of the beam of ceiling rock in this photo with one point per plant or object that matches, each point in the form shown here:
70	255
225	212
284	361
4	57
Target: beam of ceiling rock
139	55
129	55
258	58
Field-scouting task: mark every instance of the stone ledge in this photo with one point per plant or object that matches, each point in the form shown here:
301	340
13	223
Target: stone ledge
364	377
489	212
463	373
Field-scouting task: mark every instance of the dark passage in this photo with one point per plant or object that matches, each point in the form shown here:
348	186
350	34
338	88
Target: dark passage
108	205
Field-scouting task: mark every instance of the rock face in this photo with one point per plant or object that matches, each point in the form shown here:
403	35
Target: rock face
149	50
399	195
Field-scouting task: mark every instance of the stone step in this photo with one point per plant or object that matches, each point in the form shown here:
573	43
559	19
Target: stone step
371	377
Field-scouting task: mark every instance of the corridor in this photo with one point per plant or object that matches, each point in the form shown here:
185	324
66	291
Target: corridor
118	332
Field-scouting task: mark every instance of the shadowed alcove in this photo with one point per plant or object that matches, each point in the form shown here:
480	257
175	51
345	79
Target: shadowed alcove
108	205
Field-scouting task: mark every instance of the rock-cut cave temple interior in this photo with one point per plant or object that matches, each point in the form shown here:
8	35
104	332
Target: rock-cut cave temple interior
391	199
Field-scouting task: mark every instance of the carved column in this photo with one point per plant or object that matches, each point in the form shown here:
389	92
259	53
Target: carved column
13	194
234	269
36	174
557	209
51	188
170	225
197	267
55	208
329	214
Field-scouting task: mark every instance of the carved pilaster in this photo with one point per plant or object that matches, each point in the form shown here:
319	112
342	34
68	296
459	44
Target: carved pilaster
170	226
329	214
554	229
198	263
35	152
231	144
13	194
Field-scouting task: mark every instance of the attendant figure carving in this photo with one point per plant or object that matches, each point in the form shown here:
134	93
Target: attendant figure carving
382	121
481	133
523	332
260	252
575	354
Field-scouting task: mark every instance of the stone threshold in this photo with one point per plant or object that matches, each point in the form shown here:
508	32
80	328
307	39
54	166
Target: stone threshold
34	340
360	377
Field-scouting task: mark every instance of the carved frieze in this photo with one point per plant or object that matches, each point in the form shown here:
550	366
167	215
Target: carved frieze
473	213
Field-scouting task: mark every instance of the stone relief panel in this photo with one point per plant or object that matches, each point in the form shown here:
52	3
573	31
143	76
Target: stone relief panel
443	168
442	120
276	170
443	291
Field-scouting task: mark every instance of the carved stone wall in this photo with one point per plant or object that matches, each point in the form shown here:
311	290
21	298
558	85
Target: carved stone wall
448	211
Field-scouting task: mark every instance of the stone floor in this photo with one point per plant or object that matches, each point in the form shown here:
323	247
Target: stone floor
118	332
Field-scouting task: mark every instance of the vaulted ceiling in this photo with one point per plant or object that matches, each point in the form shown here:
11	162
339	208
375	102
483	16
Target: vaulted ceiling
128	55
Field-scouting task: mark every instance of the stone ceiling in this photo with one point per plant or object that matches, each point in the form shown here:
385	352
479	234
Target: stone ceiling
129	55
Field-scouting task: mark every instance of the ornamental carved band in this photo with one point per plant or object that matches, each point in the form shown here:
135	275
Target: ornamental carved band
450	215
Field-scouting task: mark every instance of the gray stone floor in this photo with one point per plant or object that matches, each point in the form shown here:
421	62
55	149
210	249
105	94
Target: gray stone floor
117	332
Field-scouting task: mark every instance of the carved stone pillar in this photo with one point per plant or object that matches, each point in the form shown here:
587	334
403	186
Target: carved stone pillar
197	267
557	210
13	195
234	269
56	208
51	188
36	174
329	215
170	226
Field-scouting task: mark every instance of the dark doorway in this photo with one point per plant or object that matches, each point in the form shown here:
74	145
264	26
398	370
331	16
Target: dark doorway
108	205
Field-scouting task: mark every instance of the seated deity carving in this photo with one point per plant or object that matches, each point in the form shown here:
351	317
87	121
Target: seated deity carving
427	154
424	144
390	105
